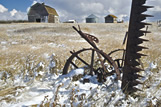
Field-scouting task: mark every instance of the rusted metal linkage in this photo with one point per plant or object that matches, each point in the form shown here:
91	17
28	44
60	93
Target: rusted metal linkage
84	35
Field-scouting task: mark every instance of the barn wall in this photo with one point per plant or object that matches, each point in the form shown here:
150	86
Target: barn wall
109	20
31	18
53	19
37	12
35	18
56	19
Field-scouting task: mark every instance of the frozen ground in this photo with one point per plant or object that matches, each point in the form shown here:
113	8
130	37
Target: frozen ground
32	57
62	90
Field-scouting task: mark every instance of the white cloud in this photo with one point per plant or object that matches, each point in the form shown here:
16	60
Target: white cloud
13	12
92	7
111	11
34	2
3	9
78	9
11	15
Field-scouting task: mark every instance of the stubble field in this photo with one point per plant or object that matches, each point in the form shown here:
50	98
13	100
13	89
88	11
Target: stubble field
29	47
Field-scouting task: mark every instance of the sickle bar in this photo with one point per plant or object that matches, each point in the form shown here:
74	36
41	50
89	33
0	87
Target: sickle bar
130	69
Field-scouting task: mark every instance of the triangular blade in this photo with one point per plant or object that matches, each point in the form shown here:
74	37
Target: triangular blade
146	15
141	54
138	41
141	17
145	23
136	55
141	25
134	63
142	47
145	40
143	8
140	33
138	48
136	76
136	82
136	89
137	69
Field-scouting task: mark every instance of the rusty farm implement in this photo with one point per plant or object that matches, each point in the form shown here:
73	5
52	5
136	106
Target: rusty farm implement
103	65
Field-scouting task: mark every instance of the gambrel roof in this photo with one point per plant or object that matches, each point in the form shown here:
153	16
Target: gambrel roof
41	8
51	10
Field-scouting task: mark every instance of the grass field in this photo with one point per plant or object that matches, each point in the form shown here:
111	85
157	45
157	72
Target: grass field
25	46
21	41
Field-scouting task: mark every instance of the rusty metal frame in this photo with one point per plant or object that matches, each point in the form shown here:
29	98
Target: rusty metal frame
91	40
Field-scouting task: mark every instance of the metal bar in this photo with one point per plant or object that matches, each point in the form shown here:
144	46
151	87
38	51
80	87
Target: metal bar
92	59
116	51
86	38
118	63
125	38
146	29
102	63
123	59
81	59
74	65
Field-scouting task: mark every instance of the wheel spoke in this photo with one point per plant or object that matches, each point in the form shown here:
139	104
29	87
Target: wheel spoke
74	65
102	62
81	60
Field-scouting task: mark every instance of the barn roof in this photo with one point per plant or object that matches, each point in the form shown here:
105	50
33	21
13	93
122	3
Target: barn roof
92	16
111	16
51	10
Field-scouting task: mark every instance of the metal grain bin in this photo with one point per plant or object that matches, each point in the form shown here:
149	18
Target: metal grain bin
92	19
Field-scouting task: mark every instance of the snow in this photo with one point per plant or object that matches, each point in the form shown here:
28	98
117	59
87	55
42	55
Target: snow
3	42
152	65
56	45
14	43
65	91
75	72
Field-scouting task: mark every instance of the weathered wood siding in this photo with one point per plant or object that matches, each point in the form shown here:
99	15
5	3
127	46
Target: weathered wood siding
109	19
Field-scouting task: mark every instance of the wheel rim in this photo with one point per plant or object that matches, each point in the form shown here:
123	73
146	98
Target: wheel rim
96	56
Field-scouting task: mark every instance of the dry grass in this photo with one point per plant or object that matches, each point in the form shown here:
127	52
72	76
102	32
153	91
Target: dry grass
22	44
23	40
9	91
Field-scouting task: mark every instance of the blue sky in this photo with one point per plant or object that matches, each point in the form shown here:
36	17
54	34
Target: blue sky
76	9
20	5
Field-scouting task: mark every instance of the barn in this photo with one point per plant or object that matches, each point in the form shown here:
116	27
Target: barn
110	19
40	12
92	19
